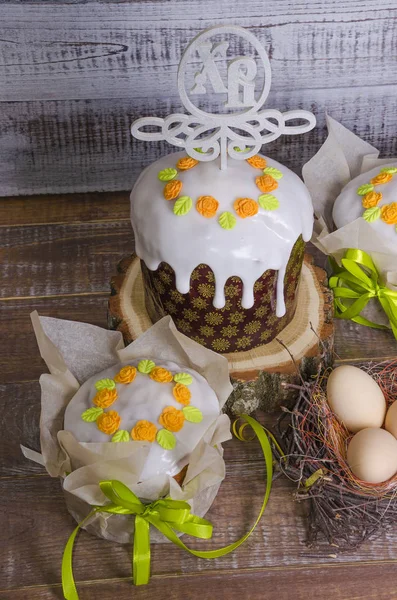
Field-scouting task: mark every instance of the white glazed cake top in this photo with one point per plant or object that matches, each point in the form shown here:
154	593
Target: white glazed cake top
372	196
143	401
250	247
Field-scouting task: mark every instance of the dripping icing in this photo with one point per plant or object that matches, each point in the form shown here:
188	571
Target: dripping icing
255	245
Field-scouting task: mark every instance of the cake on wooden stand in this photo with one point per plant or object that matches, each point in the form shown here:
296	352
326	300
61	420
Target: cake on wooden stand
260	376
220	230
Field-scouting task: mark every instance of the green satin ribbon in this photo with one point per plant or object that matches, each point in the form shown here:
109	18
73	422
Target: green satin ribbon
356	282
167	516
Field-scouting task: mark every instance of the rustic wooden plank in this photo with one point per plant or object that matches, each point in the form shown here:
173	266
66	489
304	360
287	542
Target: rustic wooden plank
336	582
85	145
20	392
76	262
61	259
20	406
125	50
59	209
33	509
21	361
19	354
355	343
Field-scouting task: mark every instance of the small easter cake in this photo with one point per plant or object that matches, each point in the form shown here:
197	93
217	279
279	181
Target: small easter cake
160	404
372	196
221	250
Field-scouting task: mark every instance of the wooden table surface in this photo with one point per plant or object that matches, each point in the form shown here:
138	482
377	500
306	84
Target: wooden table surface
57	257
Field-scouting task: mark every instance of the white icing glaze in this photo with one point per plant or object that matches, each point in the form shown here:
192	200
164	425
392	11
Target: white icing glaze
145	399
348	205
255	245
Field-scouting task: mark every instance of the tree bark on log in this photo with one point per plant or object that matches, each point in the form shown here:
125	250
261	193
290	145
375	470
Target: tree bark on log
264	377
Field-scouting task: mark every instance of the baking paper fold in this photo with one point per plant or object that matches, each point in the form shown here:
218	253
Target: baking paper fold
341	158
73	353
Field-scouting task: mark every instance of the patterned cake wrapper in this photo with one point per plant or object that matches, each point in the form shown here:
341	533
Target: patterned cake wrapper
231	328
73	353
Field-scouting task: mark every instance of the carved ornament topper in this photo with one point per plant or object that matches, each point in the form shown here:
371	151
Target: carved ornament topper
239	128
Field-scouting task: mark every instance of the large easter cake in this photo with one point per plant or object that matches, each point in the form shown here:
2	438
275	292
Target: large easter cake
221	250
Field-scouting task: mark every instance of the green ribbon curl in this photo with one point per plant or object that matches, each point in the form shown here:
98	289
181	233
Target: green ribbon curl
167	516
355	283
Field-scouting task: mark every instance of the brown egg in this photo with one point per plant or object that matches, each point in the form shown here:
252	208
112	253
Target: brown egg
372	455
391	419
355	398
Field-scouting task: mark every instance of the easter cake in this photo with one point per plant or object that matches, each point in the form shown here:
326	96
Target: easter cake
372	196
221	250
161	405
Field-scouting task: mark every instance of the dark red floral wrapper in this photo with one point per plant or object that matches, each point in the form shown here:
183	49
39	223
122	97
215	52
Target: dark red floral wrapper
231	328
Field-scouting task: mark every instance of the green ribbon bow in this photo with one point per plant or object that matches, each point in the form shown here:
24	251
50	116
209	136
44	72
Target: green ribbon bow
357	281
166	515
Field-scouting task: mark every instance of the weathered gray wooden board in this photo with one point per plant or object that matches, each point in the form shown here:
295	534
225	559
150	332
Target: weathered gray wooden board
73	76
132	50
79	145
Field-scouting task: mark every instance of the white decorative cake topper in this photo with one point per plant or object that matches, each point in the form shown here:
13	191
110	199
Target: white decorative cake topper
241	130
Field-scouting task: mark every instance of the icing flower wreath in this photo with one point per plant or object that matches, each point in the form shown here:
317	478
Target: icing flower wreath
371	199
208	206
171	419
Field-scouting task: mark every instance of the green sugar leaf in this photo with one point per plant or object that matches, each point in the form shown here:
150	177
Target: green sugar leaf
192	414
121	436
91	414
166	439
391	170
182	206
184	378
145	366
105	384
268	202
371	214
199	150
364	189
167	174
227	220
275	173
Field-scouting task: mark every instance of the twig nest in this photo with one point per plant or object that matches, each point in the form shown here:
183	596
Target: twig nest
356	398
372	455
352	487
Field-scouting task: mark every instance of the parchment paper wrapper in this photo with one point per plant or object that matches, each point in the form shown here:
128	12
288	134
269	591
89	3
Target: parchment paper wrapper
341	158
73	353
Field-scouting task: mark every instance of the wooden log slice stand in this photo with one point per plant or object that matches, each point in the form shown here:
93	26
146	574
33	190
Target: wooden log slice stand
264	376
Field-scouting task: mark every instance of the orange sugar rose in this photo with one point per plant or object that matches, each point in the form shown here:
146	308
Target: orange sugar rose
109	422
161	375
258	162
105	398
172	419
186	163
172	189
144	431
266	183
371	199
126	375
207	206
381	178
182	393
246	207
389	213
